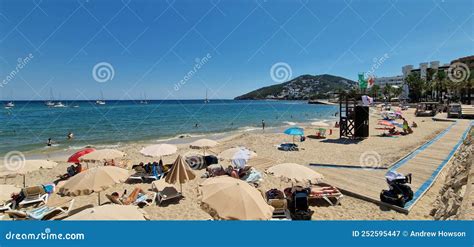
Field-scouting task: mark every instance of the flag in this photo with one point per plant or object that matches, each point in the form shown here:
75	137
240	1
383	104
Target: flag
362	82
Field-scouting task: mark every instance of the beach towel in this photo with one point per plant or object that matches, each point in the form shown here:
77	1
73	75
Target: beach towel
253	176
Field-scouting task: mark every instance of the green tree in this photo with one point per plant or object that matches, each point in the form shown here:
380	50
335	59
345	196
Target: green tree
375	91
416	86
387	91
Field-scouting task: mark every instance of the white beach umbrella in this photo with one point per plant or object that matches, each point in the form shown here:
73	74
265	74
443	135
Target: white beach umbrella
295	172
159	150
6	190
22	167
110	212
203	144
239	156
234	199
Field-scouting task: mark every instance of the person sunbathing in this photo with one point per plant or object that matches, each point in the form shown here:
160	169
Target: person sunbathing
232	172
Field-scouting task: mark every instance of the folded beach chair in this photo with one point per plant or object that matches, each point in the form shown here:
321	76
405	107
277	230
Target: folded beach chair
165	191
321	134
327	193
278	201
48	211
35	194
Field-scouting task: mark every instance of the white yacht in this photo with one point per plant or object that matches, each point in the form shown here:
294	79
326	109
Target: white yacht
9	105
101	101
59	104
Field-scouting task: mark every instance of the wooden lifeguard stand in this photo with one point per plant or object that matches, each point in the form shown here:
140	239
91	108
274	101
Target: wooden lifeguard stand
353	118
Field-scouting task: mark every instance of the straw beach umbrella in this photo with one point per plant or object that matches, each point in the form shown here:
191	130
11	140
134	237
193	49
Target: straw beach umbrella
6	190
102	154
93	180
234	199
159	150
23	167
110	212
180	173
295	172
203	144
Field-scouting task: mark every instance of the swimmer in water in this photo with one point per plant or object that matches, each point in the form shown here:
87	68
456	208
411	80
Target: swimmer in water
70	136
50	142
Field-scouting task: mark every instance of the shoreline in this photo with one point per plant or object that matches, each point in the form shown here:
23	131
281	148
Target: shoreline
61	155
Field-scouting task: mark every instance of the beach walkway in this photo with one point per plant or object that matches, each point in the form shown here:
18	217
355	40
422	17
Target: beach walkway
425	164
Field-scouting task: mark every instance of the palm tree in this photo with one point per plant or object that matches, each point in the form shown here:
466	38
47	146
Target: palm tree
374	91
387	91
416	86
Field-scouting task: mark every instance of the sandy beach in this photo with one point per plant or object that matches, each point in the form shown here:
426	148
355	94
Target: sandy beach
327	151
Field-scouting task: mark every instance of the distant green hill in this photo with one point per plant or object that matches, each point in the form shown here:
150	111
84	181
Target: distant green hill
302	88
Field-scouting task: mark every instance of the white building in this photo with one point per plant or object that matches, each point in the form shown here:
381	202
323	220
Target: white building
399	80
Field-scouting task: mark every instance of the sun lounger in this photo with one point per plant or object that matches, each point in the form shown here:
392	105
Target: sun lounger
321	134
47	211
288	147
165	191
35	194
6	206
327	193
143	200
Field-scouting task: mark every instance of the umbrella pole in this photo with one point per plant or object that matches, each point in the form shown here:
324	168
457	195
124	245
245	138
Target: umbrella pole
98	198
181	188
24	180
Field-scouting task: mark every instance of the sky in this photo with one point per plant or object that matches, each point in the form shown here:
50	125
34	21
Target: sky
181	49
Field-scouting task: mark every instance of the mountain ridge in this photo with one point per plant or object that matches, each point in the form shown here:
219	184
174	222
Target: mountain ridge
303	87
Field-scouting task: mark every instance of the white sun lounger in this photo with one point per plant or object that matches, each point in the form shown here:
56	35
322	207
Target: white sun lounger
35	194
45	211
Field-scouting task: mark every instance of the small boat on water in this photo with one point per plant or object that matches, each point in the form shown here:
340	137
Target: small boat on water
145	101
101	101
9	105
59	104
50	102
206	100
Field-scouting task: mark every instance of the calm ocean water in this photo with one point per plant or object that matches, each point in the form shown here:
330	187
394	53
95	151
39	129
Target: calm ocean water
28	126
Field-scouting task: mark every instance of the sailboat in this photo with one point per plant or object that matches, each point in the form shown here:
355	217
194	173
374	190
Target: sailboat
101	101
206	100
145	101
50	102
10	104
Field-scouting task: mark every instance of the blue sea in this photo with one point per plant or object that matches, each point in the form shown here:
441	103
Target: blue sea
28	125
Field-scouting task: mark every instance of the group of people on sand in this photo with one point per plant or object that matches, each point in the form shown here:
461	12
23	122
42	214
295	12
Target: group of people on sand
406	129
